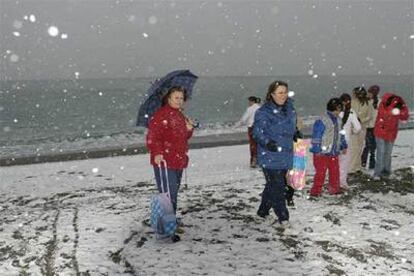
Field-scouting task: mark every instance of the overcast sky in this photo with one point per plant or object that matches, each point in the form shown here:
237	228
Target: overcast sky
47	39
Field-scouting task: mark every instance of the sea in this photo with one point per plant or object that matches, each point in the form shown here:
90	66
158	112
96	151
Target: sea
58	116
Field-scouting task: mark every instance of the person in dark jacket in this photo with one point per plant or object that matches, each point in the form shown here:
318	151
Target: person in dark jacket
167	141
273	129
391	110
327	144
370	144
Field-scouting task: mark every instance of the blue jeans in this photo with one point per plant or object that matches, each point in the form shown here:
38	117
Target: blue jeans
174	180
383	164
273	195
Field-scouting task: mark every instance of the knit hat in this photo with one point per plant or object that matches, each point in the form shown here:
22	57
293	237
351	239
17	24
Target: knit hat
333	104
374	90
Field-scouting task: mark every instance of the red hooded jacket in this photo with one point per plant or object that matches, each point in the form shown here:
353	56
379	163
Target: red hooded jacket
168	135
386	124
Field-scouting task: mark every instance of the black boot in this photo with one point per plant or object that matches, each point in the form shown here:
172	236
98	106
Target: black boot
175	238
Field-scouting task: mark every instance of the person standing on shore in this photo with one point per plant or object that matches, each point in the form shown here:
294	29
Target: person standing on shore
391	110
273	129
248	119
370	144
349	125
327	144
167	141
364	112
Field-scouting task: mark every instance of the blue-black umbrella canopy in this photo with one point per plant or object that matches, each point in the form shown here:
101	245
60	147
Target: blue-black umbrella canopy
183	78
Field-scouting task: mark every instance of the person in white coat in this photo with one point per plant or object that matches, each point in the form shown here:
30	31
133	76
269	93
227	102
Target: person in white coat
350	125
248	119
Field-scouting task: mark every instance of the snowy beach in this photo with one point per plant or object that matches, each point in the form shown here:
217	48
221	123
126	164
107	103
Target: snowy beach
87	218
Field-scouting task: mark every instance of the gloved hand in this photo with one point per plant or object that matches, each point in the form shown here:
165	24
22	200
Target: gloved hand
297	135
271	146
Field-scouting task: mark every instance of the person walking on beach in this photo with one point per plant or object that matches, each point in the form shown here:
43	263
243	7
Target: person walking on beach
349	124
248	119
167	141
370	144
391	110
273	129
364	112
327	144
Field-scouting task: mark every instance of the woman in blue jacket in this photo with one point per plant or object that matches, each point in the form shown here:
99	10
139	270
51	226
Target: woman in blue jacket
274	129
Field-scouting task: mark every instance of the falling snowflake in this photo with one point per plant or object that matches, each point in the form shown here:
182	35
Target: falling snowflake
315	76
77	75
310	72
17	34
395	111
145	35
53	31
95	170
32	18
279	149
64	36
14	58
291	94
342	132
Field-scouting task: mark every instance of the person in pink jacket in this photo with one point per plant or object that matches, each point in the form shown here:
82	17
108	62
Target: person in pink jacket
391	110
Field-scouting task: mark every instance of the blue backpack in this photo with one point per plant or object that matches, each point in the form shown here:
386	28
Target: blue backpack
163	220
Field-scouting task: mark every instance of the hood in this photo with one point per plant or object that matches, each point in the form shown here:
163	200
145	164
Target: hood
390	100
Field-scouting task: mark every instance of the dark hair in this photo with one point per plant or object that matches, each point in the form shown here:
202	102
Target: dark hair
361	94
333	104
272	87
374	90
252	98
346	108
171	90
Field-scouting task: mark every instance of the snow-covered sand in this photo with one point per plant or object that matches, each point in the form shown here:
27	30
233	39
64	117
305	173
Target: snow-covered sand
86	218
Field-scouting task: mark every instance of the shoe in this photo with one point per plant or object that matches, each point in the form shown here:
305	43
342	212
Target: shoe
290	203
283	224
376	178
344	186
175	238
262	215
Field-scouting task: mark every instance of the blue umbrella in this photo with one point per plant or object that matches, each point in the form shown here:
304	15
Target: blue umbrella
183	78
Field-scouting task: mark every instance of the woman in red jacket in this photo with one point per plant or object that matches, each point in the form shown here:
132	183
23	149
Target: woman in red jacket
167	140
391	110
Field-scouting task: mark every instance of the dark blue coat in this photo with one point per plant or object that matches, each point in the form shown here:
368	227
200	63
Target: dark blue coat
277	123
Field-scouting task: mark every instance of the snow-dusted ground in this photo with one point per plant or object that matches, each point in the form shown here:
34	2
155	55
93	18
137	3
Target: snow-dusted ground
86	218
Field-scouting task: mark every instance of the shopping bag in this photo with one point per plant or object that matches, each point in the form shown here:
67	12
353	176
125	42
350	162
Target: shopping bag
297	175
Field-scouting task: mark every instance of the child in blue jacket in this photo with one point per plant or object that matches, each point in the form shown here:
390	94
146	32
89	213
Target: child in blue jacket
327	145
